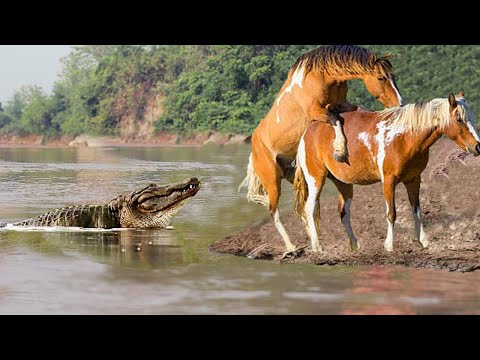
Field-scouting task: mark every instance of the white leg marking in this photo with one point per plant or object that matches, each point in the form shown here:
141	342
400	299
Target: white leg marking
283	233
297	79
310	213
473	131
419	233
347	224
309	216
399	97
389	239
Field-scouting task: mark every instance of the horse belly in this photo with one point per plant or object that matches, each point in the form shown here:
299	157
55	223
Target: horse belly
354	175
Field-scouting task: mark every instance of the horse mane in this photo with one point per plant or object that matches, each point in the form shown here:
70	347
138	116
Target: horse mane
424	115
337	60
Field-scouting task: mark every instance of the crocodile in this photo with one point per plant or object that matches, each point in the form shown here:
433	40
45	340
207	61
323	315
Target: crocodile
151	207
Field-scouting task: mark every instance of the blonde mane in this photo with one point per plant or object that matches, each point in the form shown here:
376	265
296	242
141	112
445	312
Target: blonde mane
424	115
337	60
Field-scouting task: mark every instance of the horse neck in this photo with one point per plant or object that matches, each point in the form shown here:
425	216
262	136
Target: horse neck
330	79
422	141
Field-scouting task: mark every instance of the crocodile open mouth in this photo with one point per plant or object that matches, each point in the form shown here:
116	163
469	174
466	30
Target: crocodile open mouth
190	189
172	195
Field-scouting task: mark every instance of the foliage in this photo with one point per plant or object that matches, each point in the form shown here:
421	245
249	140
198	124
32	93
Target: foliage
226	88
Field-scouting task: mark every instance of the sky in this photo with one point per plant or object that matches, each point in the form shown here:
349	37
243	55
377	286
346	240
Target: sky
29	65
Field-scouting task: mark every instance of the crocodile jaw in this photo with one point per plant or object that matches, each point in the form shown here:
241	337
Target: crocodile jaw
155	206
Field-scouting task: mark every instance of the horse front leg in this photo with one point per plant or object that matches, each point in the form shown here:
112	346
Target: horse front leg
389	185
413	191
316	112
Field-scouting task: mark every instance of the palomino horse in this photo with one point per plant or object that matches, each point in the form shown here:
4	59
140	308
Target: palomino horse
391	146
316	79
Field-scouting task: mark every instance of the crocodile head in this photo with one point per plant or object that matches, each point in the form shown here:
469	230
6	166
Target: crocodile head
155	205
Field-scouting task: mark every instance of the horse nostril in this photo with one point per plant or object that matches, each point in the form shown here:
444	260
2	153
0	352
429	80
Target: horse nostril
477	148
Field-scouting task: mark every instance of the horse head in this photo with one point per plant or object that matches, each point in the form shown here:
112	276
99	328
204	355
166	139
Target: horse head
461	127
380	82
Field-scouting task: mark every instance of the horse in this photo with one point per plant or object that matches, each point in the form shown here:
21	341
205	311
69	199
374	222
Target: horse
391	146
316	79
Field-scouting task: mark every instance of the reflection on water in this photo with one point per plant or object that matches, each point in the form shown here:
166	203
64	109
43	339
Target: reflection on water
135	271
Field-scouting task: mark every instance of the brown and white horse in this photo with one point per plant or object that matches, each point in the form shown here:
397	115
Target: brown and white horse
391	146
316	79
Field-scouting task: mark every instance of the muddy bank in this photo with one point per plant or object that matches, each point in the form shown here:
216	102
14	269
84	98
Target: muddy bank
162	139
450	197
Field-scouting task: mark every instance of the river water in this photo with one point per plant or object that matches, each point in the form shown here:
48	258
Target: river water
60	271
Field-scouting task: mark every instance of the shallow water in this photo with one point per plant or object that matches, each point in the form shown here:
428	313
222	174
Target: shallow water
74	271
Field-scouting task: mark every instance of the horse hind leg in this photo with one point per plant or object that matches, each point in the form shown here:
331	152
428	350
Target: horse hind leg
270	176
344	201
312	213
413	191
311	209
274	191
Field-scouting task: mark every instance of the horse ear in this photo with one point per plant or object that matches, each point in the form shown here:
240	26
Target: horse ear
388	56
461	94
452	101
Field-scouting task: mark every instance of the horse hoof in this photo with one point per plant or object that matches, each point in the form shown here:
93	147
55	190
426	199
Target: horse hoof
340	157
293	253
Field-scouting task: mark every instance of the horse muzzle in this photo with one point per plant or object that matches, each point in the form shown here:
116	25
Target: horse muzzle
477	150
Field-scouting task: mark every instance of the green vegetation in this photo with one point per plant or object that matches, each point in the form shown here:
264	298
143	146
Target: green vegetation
226	88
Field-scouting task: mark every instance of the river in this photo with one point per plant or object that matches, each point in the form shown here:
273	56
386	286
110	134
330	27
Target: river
60	271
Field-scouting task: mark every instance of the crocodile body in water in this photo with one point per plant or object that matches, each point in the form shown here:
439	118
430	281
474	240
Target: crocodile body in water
150	207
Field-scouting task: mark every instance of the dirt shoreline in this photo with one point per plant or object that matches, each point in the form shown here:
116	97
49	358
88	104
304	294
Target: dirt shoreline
450	198
160	140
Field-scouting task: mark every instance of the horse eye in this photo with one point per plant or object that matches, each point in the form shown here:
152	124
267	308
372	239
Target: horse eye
459	119
381	79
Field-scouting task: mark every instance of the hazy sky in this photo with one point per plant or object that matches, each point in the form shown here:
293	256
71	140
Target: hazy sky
29	65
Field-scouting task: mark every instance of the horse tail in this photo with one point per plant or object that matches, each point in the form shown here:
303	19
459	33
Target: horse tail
256	192
301	190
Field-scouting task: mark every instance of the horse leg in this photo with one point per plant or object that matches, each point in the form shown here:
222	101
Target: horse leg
270	175
340	152
317	112
308	184
344	202
312	209
413	190
389	185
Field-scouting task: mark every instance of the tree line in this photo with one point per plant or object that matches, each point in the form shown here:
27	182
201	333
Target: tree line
224	88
